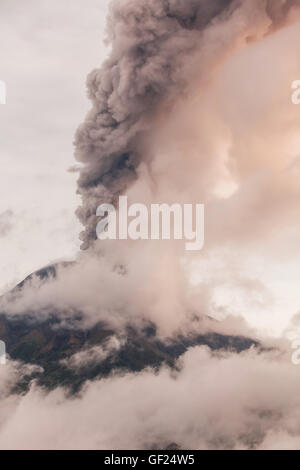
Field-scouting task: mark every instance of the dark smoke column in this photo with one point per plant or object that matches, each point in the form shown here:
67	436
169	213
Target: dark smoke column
151	43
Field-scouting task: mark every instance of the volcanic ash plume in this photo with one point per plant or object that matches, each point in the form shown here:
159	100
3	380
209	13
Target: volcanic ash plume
158	47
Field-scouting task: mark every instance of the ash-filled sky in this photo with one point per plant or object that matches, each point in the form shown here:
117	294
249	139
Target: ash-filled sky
47	50
192	105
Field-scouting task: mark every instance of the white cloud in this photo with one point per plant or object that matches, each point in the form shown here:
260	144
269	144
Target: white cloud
214	401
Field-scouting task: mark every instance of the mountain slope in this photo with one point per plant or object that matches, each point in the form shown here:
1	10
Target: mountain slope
70	355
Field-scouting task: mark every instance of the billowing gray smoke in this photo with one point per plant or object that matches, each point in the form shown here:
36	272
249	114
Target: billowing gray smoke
151	42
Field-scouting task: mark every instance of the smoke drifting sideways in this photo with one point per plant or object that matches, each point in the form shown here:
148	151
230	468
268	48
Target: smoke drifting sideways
158	48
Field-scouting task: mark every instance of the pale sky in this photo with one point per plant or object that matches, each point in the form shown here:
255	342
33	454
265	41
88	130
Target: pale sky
47	50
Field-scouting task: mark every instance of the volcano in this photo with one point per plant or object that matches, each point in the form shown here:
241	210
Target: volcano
50	344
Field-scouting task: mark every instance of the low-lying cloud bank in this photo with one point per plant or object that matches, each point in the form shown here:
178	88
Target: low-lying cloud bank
213	401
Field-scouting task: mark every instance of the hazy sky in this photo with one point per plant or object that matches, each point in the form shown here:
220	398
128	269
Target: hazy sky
47	50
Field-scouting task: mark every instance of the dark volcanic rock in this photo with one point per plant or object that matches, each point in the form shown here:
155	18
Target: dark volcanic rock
47	342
